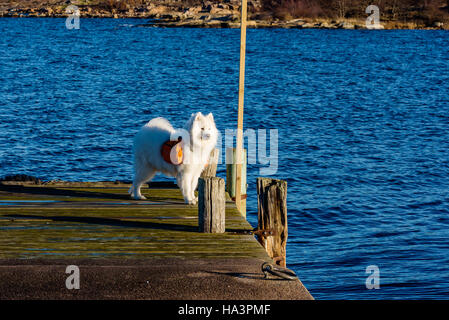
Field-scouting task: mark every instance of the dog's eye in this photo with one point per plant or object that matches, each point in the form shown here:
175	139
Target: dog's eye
202	128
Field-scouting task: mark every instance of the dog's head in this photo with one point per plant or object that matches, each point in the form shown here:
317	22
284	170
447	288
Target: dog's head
202	128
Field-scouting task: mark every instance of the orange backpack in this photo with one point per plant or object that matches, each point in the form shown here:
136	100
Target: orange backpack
171	151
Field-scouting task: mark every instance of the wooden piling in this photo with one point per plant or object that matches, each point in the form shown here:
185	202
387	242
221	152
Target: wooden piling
272	217
231	173
211	169
211	205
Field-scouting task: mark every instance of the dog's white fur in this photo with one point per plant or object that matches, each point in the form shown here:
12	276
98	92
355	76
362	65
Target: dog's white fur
199	139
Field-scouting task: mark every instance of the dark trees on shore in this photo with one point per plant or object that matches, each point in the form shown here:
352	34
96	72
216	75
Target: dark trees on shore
404	10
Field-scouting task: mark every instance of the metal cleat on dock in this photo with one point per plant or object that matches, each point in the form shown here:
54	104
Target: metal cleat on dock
284	273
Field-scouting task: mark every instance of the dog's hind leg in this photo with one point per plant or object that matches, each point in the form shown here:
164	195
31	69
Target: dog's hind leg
142	175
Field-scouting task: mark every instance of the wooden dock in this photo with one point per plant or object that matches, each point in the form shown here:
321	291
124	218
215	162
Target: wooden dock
125	249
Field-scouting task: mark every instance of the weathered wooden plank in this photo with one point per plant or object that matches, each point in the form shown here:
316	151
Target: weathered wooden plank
134	229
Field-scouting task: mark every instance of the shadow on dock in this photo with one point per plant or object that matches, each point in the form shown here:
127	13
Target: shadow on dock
110	222
70	193
49	191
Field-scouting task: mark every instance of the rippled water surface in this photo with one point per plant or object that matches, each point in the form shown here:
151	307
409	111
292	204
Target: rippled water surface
363	120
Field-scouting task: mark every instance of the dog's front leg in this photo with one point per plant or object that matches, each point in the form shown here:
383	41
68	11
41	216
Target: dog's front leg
185	183
194	185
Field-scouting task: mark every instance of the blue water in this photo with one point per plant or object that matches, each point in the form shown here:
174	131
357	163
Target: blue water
363	120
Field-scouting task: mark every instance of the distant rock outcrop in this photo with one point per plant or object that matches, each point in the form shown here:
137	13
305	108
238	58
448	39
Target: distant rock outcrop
194	14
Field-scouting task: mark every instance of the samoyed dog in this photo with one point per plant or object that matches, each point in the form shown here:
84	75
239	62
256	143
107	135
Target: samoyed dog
199	138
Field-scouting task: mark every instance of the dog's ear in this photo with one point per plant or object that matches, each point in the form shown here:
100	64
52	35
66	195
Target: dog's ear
210	116
198	116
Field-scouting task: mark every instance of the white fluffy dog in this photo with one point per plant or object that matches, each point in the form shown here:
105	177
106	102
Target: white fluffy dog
199	138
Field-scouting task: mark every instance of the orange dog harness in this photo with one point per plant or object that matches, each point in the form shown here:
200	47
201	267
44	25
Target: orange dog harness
171	151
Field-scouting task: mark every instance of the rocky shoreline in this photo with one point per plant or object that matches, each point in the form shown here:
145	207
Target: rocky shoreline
207	15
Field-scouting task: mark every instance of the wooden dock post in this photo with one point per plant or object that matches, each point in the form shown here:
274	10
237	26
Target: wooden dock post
211	205
231	173
211	169
272	217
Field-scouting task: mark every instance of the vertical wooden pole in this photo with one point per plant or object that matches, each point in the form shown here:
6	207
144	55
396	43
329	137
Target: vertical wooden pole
211	205
211	169
272	217
231	172
238	183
